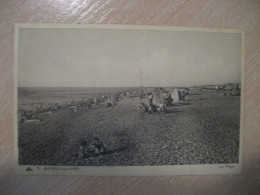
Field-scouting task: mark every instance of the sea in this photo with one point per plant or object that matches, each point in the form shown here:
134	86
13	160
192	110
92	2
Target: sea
31	97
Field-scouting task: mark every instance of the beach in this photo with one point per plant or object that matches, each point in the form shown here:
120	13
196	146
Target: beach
202	129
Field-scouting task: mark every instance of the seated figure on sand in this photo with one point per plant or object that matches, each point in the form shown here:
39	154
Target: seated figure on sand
162	108
96	148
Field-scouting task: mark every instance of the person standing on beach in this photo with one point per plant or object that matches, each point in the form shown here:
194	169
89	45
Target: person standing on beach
150	99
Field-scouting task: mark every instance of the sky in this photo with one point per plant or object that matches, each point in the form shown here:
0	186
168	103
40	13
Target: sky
80	57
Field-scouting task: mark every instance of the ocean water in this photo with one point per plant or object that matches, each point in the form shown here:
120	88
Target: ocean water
31	97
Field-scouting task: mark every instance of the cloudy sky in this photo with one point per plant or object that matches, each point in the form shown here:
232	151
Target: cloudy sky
51	57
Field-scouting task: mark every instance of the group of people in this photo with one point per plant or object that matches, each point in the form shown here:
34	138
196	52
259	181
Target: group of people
151	108
96	149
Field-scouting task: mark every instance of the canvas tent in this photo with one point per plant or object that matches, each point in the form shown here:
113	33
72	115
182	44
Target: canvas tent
182	93
158	98
175	95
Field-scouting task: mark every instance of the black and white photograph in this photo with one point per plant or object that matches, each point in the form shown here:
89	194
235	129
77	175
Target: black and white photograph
128	100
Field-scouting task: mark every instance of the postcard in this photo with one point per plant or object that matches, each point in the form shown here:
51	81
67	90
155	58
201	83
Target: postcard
128	100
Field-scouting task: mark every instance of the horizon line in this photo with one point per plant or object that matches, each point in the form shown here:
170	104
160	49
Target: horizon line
121	86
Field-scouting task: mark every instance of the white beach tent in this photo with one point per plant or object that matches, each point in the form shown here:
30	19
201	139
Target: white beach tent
158	98
175	95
